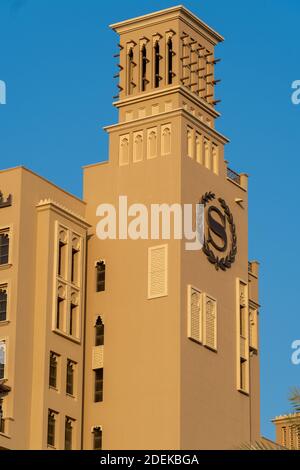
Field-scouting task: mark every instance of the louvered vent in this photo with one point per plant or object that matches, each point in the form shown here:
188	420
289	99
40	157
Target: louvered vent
97	360
157	271
194	314
210	322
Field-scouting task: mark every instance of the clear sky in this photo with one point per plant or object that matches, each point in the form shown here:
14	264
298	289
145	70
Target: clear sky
56	59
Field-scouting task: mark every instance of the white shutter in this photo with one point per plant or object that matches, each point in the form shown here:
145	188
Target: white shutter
157	271
194	314
210	322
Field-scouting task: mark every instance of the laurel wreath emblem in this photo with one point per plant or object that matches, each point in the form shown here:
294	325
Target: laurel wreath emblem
225	262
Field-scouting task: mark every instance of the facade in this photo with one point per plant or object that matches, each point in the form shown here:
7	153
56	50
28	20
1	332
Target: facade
288	431
134	344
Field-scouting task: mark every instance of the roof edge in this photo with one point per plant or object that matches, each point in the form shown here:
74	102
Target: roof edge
157	14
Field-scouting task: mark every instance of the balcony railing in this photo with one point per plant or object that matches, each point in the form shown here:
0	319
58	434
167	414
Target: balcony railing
233	176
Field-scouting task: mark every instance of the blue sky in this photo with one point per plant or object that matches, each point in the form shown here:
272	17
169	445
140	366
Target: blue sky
56	59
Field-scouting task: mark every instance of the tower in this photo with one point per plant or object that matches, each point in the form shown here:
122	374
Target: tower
171	335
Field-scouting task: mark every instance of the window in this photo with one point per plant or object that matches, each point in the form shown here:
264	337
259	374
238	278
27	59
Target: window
210	322
53	370
130	66
124	150
98	385
62	252
73	319
144	62
215	158
70	377
242	337
284	435
3	303
243	374
243	322
253	320
4	247
68	433
207	161
166	139
99	328
2	421
138	147
2	359
60	312
157	58
157	271
97	438
100	276
190	144
152	143
74	265
198	148
170	61
194	314
51	428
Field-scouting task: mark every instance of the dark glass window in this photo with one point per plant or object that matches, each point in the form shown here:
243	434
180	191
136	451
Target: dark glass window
61	254
51	429
74	267
3	304
170	61
99	340
98	385
130	66
156	65
53	370
68	434
70	378
4	248
73	319
144	68
59	312
100	276
97	439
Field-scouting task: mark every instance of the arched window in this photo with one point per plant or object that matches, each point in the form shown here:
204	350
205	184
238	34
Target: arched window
138	148
130	65
124	151
152	144
100	276
190	143
166	141
99	332
156	64
215	159
198	148
207	155
170	61
144	62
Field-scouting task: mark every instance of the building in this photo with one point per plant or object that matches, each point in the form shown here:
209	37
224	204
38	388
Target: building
288	430
134	344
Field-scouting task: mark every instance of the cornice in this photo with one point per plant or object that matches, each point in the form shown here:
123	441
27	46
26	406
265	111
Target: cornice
203	105
49	204
128	125
175	12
